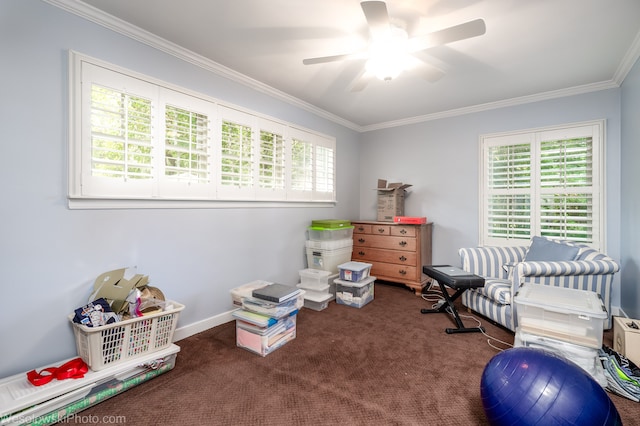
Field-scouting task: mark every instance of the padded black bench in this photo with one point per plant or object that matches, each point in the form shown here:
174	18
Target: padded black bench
459	280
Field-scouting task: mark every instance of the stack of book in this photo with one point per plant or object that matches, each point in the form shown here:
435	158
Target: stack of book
267	319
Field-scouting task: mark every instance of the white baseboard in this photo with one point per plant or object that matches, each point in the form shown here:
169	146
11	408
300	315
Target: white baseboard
225	317
619	312
200	326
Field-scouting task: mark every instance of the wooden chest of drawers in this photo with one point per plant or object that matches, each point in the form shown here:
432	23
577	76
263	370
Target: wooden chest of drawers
397	252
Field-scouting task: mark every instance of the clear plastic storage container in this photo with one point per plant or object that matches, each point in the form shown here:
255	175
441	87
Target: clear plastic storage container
263	342
314	278
318	303
574	316
246	290
354	271
355	294
328	260
329	244
319	233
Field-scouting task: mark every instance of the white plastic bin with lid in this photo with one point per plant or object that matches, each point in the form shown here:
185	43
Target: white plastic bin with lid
317	302
329	244
328	260
319	233
246	290
315	291
354	271
570	315
314	278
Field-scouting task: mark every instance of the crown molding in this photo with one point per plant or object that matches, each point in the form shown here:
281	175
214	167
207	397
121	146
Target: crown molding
630	58
103	19
99	17
577	90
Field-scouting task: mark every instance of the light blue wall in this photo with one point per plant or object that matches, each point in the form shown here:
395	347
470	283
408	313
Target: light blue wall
50	255
630	216
440	159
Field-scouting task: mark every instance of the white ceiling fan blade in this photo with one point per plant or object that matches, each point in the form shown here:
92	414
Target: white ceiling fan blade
334	58
377	16
463	31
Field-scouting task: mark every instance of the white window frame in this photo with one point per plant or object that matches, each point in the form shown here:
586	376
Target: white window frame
534	137
87	190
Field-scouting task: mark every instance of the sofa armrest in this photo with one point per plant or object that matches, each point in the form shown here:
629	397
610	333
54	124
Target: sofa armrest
489	261
592	275
576	267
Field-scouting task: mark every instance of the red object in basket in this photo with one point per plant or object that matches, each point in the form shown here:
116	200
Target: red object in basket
412	220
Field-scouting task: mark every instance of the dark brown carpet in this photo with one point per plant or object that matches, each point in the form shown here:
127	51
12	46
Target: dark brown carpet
382	364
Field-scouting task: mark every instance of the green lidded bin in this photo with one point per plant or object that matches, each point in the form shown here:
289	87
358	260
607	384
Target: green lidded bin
330	223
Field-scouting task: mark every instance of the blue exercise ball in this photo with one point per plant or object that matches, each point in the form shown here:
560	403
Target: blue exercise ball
528	386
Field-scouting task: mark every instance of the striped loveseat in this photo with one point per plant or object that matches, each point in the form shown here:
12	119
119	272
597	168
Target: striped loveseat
505	270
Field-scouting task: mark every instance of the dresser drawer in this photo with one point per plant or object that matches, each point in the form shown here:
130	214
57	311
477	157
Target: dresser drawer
381	229
381	255
385	242
403	231
361	228
398	272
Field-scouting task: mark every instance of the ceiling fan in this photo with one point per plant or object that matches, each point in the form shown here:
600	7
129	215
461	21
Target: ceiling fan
391	50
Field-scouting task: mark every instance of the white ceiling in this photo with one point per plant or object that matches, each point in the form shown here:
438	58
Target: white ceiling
532	49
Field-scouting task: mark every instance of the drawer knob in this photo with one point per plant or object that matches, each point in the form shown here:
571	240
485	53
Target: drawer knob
402	258
381	230
403	231
402	272
361	253
361	228
402	243
361	240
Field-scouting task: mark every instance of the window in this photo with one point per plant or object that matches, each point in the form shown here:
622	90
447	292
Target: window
545	182
134	138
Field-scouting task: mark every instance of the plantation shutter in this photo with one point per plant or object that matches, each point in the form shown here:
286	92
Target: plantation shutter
186	145
509	191
325	172
545	183
301	165
120	157
236	174
567	209
271	161
139	142
186	167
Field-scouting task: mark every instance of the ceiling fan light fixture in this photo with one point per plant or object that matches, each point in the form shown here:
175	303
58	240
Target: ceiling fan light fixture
384	69
391	51
387	54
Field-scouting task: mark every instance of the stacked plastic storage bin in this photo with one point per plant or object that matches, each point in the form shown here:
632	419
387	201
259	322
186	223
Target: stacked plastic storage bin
318	290
263	326
329	243
355	285
566	321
